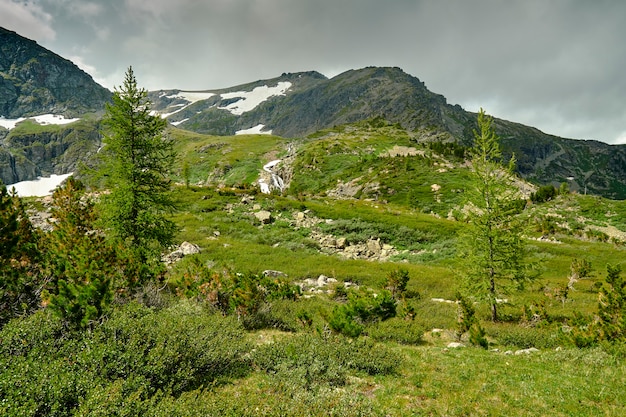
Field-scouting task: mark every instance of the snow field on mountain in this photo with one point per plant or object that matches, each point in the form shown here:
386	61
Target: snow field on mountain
40	187
44	119
250	99
255	130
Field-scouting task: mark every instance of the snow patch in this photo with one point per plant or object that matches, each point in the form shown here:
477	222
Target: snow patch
256	130
250	99
180	121
192	96
189	96
40	187
44	119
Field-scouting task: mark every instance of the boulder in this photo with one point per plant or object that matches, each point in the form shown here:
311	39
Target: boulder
274	274
526	351
265	217
374	246
189	248
183	250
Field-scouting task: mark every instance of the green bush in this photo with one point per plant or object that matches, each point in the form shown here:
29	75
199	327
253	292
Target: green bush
310	361
139	353
527	337
362	308
398	330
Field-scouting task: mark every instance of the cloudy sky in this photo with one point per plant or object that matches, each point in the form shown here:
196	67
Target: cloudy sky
558	65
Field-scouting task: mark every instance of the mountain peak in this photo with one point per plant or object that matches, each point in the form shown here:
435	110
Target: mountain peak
34	80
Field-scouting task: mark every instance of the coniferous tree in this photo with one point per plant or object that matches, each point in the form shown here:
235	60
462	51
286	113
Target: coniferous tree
612	306
81	266
493	251
134	163
20	283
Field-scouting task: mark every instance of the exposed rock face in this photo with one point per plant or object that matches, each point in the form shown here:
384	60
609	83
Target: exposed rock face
56	151
36	81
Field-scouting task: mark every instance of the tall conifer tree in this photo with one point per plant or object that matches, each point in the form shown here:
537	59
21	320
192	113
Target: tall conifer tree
493	249
135	162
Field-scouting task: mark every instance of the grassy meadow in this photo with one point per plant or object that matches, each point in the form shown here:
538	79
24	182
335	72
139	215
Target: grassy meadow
181	350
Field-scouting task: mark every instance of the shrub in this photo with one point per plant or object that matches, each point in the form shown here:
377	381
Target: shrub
310	361
544	193
398	330
362	308
526	337
396	282
612	306
131	359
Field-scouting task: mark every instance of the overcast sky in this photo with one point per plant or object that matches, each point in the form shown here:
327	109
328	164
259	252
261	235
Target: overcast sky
558	65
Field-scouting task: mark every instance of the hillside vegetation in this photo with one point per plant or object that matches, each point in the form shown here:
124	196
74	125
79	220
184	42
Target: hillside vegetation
337	296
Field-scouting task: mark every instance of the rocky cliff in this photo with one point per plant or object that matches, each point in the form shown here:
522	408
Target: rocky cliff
34	80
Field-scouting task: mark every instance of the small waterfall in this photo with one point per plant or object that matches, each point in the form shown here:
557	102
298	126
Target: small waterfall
276	182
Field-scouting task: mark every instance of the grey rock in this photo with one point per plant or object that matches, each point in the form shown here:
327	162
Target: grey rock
265	217
526	351
189	248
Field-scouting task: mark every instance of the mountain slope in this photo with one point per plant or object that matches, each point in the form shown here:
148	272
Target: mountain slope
34	80
311	102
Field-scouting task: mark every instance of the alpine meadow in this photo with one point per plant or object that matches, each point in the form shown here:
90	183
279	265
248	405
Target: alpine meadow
303	246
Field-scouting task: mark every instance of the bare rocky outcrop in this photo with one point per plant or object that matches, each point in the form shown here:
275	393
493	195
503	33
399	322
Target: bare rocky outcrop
183	250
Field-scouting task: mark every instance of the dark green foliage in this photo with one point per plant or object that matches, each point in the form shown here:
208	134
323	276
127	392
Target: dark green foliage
524	337
313	362
361	309
544	193
356	231
477	336
123	367
135	162
449	149
466	315
247	295
20	282
396	282
546	225
396	329
612	306
80	266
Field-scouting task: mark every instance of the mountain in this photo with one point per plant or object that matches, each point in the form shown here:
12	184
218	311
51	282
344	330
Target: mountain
299	104
42	98
310	102
34	80
53	94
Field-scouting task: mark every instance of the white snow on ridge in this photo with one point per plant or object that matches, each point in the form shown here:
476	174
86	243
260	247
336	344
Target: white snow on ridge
251	99
256	130
40	187
189	96
248	100
44	119
180	121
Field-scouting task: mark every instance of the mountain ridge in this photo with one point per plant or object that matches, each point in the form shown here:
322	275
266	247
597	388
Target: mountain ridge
388	92
34	81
